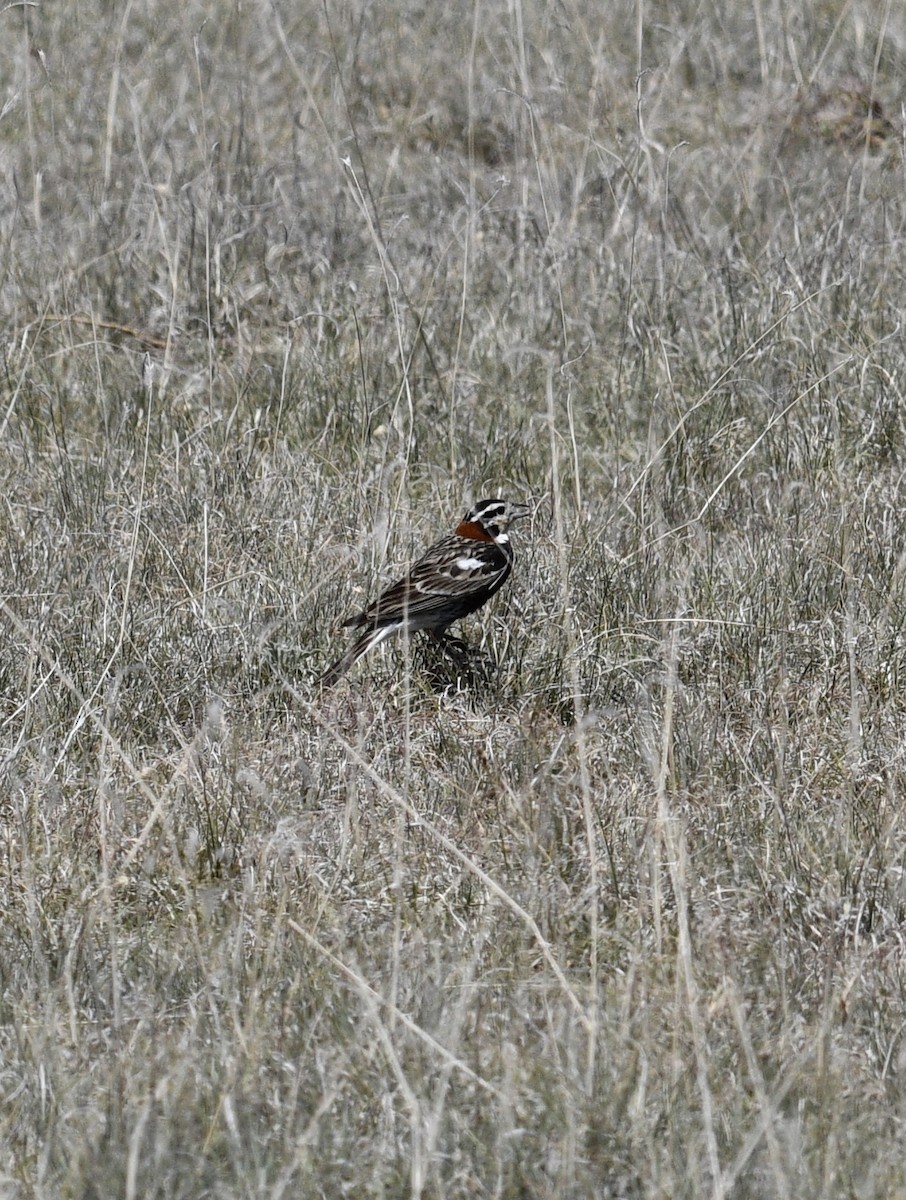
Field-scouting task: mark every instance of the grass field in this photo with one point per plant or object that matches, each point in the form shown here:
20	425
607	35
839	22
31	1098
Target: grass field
284	287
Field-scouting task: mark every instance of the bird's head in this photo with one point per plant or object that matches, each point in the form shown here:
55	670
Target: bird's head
489	520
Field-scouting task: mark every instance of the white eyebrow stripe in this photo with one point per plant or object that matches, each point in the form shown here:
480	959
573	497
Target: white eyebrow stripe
469	564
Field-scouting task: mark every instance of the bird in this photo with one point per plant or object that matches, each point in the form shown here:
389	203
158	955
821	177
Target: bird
453	578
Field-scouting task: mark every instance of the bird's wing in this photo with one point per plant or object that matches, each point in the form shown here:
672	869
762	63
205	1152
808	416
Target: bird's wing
452	569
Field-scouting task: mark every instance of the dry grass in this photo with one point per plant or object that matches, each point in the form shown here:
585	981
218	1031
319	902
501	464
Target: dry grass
282	290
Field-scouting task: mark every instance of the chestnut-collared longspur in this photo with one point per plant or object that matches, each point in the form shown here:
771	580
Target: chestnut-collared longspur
453	578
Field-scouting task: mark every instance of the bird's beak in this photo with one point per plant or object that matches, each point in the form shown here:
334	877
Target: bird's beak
516	511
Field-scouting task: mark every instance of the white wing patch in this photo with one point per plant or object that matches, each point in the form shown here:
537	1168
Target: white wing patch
466	563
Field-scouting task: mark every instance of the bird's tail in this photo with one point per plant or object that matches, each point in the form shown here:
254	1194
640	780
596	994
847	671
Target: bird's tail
365	643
